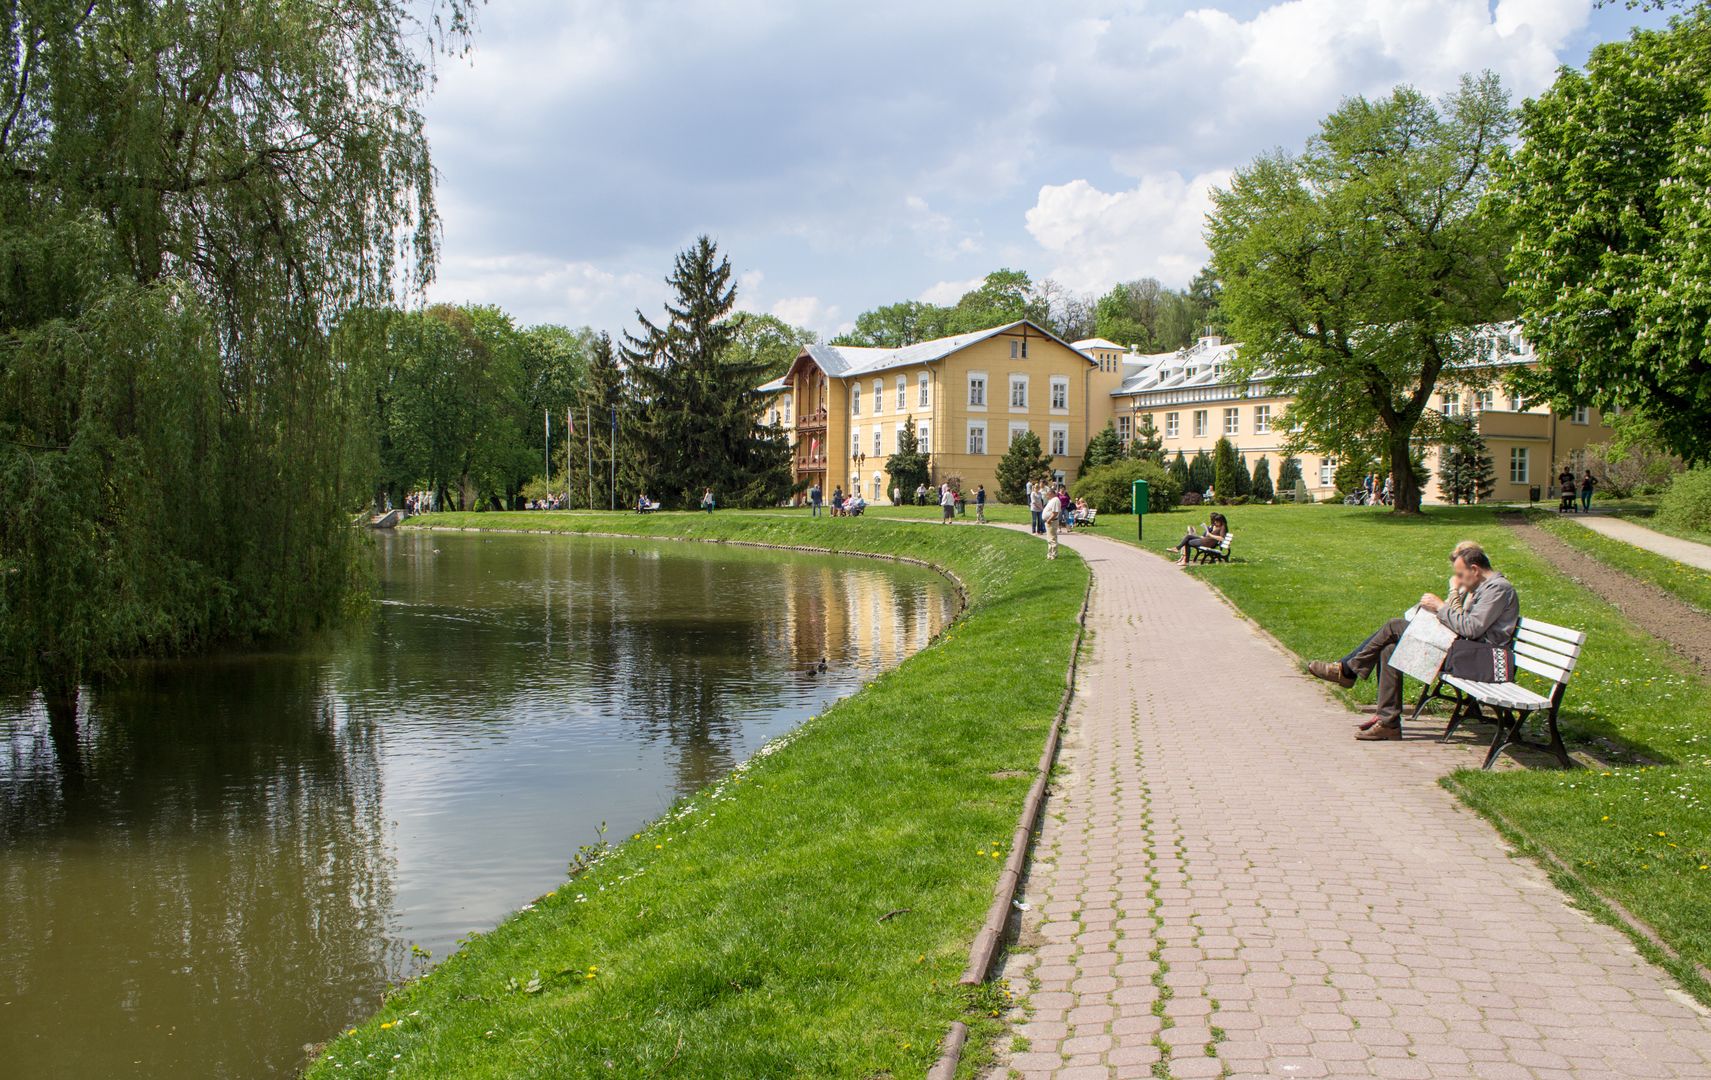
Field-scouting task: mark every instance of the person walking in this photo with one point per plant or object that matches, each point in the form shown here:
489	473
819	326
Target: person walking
947	502
1587	483
814	499
1052	511
707	500
1036	508
980	504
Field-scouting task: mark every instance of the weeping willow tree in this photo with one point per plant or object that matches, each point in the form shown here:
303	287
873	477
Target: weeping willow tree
192	192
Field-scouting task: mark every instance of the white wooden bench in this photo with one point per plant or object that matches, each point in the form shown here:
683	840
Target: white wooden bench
1541	648
1221	553
1089	518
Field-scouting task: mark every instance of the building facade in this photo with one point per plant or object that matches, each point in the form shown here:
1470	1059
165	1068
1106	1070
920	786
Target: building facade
969	395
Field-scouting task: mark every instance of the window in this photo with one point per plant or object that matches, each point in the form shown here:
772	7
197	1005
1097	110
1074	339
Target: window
902	393
855	401
1060	393
1517	403
977	389
878	396
1125	428
1232	421
977	436
1172	425
1018	348
1059	440
921	382
877	450
1518	471
1581	414
1017	427
1484	400
924	439
1262	419
875	487
1452	404
1018	391
1200	421
855	441
1327	471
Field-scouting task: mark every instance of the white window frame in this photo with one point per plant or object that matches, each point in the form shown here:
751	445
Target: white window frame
1232	421
1484	400
1327	471
1125	429
1262	419
1172	425
1018	382
878	440
922	381
855	441
1058	446
1520	465
1016	429
878	396
1517	403
924	438
977	390
902	392
1059	392
1581	415
1452	404
977	437
1202	422
1015	349
855	400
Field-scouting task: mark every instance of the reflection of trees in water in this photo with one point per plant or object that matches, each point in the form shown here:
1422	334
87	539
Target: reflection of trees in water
221	871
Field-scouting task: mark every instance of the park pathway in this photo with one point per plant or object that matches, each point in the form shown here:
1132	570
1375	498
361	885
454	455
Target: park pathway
1227	884
1690	552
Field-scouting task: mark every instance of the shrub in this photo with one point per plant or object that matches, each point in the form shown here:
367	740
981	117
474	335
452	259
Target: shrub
1190	498
1687	503
1110	487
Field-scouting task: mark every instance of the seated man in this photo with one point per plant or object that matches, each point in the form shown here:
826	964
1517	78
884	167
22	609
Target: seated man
1487	615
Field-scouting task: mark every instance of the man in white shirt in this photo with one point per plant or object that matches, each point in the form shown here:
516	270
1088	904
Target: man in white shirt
1052	513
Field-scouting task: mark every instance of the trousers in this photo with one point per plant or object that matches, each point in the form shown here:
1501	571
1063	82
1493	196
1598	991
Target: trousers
1374	655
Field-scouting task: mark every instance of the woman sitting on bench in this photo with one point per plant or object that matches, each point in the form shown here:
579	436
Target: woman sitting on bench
1213	537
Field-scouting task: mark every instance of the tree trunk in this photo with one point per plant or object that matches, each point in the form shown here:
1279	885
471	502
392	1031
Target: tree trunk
62	731
1406	491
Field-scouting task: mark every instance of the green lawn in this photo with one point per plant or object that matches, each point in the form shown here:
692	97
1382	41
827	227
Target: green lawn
1688	583
811	914
1320	577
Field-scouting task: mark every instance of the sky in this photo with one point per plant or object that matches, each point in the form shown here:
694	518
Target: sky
850	155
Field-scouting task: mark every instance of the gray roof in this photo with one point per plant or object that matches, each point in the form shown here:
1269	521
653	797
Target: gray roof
845	361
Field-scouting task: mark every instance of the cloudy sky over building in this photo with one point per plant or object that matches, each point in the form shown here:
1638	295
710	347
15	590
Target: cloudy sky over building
849	155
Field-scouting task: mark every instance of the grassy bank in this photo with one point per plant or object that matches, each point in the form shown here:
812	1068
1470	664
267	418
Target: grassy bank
1319	577
1687	583
808	916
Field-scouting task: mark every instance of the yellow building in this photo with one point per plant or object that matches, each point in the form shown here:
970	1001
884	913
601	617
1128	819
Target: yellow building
1194	400
969	395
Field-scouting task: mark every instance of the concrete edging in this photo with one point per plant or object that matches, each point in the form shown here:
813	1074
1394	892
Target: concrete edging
991	935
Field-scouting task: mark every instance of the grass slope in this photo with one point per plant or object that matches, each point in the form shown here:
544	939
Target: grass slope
746	932
1689	584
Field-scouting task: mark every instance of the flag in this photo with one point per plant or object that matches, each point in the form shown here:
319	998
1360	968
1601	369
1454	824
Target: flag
570	420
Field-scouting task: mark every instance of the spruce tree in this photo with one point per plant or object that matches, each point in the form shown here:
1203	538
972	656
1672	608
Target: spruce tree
1022	462
1200	473
908	466
1224	468
1244	478
1465	470
1262	480
698	414
1149	444
1180	473
1288	474
1102	449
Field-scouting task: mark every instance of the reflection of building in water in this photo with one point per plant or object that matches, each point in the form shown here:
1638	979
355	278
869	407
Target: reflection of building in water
859	616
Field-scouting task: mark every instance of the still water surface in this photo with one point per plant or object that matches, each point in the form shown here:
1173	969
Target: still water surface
230	858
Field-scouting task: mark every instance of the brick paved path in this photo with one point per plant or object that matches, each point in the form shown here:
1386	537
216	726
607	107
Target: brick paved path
1229	885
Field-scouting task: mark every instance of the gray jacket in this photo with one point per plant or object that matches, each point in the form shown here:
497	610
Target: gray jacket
1488	615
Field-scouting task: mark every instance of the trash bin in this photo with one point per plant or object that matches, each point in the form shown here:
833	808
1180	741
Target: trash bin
961	508
1533	493
1139	501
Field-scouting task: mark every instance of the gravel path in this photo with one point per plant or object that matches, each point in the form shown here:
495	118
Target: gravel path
1227	884
1674	547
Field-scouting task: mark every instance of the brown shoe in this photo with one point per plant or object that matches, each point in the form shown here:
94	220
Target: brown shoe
1366	725
1381	732
1331	671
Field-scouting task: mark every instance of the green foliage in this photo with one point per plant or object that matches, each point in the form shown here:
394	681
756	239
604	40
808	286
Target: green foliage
1151	317
1109	488
1357	270
600	476
1102	449
1225	466
908	467
1289	473
1148	443
1610	268
697	412
1181	473
1352	471
1022	462
190	195
1687	503
1633	461
1465	470
1262	489
768	342
1201	474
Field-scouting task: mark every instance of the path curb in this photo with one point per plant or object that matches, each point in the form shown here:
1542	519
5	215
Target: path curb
991	935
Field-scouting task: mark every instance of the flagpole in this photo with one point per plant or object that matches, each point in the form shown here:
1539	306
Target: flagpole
588	422
547	446
614	446
570	433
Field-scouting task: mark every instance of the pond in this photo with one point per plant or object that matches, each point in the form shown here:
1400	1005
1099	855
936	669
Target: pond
228	859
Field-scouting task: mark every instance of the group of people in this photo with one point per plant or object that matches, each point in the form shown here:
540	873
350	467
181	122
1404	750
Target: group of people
1373	492
554	501
1210	537
1565	488
842	505
1480	607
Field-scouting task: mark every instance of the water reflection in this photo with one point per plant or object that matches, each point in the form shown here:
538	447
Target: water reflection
218	862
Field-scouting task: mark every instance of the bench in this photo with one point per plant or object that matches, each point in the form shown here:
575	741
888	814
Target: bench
1541	648
646	507
1089	518
1221	553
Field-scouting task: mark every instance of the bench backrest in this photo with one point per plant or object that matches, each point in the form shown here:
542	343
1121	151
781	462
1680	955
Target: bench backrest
1547	650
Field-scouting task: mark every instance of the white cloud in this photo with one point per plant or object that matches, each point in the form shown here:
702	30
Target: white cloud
810	312
538	289
1150	230
948	292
